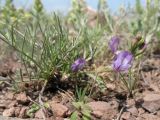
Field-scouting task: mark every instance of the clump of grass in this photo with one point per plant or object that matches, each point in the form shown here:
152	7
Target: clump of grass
45	46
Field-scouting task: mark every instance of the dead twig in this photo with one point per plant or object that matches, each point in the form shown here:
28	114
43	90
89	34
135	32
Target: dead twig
67	93
30	99
40	104
5	80
120	113
43	110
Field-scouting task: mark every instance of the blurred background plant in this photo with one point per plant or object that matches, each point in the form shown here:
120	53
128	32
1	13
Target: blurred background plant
12	15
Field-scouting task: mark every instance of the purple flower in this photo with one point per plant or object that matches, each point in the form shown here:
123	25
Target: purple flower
113	44
78	64
122	61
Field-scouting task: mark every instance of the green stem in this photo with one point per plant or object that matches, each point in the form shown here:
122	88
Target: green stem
124	82
130	82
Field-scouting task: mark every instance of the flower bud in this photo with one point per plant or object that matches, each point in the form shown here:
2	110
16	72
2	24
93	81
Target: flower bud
78	64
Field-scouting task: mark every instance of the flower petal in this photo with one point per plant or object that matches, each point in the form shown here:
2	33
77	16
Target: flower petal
78	64
122	61
113	44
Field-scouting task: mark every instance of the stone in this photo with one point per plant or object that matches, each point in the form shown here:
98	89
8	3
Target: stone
22	113
141	111
4	103
97	114
59	118
106	110
150	117
151	97
130	102
9	112
154	87
151	102
17	111
10	95
133	111
99	106
12	104
126	116
151	106
114	104
22	98
58	109
39	114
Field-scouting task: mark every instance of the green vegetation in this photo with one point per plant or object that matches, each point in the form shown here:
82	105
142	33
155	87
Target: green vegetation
48	44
